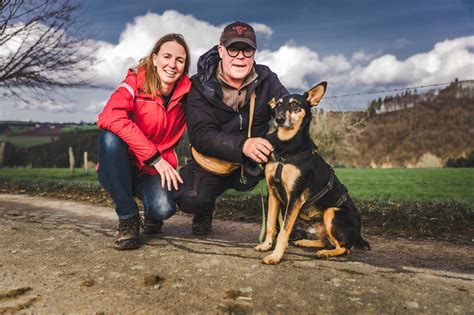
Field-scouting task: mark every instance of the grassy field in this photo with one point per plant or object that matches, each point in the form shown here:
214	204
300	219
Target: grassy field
436	184
17	137
48	174
441	184
434	203
26	141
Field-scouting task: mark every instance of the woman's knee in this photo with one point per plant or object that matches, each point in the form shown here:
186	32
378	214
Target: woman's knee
110	142
160	208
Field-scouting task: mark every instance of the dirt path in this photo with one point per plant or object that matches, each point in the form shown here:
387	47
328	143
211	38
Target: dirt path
56	257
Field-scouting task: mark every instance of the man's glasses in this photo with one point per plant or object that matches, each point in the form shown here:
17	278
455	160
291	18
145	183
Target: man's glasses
234	51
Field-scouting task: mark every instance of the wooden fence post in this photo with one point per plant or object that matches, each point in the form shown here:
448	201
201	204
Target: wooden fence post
2	153
71	160
86	163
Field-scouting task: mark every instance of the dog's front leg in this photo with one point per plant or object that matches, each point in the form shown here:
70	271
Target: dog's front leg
285	231
273	208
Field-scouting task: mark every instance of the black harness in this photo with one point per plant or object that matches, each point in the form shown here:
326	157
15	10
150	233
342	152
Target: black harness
289	159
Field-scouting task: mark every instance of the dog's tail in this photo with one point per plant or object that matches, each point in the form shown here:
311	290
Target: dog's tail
362	244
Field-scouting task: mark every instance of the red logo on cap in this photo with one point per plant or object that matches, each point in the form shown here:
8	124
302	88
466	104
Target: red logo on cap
239	29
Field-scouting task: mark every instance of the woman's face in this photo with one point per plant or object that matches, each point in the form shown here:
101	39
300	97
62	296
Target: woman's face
169	62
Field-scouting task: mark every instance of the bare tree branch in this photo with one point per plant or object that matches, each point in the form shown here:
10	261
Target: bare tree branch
42	47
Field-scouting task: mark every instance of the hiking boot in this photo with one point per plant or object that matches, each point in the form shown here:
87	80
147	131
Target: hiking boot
127	233
152	226
202	223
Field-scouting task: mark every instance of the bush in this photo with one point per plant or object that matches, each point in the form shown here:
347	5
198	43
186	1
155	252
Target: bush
13	155
461	161
55	154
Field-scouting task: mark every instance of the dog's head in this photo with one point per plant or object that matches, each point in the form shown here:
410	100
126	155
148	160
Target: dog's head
290	110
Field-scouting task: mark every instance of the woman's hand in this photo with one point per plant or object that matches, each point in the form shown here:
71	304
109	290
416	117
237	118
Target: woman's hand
168	174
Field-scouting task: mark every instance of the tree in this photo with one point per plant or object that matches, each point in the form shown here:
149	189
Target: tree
335	134
42	48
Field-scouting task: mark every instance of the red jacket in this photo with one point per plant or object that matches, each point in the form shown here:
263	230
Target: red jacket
142	121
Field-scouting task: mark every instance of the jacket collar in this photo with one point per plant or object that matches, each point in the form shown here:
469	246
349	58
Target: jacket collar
181	88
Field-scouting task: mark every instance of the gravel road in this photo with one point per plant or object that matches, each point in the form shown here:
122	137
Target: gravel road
57	257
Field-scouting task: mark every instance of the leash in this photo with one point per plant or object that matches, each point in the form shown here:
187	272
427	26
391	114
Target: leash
264	219
243	179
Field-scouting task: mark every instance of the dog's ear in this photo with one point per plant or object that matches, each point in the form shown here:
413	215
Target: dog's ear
272	103
316	93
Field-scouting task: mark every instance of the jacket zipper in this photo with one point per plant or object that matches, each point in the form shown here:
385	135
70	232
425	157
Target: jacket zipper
241	121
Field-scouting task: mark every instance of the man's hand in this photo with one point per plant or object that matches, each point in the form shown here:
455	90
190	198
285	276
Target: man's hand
258	149
168	174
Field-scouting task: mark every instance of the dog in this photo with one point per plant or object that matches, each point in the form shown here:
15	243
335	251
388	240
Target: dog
301	181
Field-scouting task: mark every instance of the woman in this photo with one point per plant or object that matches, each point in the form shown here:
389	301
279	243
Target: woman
142	121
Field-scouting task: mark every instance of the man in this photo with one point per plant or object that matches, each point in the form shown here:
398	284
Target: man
217	113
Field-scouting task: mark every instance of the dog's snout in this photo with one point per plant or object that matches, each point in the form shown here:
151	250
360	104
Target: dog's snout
280	119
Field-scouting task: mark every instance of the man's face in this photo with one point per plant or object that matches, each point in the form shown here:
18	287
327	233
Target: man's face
235	69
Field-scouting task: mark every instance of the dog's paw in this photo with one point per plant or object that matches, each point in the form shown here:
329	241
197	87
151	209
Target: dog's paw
270	260
323	253
326	253
263	247
309	243
303	243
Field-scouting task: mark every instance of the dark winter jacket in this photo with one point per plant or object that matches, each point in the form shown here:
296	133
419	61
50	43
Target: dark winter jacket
216	129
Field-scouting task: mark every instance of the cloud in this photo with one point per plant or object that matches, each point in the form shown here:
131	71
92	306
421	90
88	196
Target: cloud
51	106
139	36
447	60
297	66
260	29
95	108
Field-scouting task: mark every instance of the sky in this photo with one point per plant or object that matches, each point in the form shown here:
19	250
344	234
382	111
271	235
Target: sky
357	46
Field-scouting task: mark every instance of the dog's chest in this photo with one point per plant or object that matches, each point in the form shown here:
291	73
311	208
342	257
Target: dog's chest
284	180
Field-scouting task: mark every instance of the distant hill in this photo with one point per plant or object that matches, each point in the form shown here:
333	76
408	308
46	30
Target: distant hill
408	130
417	130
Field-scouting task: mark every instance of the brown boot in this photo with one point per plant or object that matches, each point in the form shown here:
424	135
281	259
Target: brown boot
152	226
128	232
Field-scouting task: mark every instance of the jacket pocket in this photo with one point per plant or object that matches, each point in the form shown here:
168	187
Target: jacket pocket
192	176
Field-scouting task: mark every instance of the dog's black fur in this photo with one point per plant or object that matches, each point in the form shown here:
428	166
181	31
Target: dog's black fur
297	179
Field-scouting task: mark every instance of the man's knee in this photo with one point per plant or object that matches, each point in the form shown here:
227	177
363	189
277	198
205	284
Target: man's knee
194	204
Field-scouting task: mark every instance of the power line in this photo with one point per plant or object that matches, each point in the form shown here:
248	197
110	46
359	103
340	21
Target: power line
394	90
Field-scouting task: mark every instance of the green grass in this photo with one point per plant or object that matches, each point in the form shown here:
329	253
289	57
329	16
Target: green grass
435	203
440	185
78	128
26	141
435	184
49	174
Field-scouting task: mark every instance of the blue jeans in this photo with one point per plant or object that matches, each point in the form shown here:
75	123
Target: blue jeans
119	178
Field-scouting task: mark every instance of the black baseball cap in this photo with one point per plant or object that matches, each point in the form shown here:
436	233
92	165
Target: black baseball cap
238	32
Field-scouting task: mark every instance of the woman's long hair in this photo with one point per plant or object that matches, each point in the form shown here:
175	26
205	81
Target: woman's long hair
152	80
